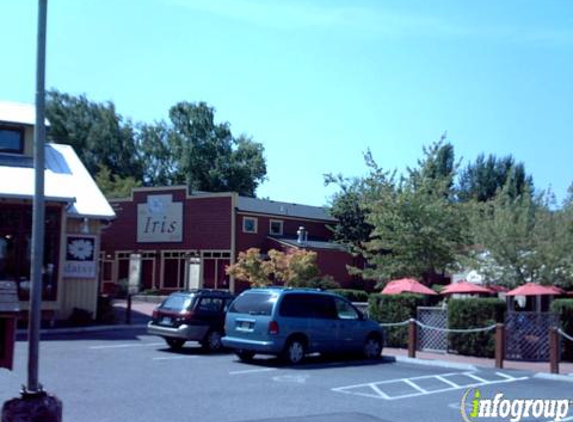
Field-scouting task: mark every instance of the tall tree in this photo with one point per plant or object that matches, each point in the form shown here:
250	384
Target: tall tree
209	157
481	180
99	135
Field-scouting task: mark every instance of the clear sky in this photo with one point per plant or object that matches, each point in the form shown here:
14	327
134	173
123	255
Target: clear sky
320	81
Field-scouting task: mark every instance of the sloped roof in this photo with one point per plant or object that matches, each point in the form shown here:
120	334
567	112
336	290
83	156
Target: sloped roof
266	206
312	244
24	114
66	180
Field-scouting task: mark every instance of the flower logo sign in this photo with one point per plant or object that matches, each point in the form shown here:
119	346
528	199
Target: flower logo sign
80	253
81	249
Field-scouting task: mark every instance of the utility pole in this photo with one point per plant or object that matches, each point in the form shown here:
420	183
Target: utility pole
35	405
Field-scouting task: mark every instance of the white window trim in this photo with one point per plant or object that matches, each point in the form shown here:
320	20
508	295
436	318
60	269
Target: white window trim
271	225
255	220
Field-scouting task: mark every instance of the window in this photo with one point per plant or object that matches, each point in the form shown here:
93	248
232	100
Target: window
11	139
307	306
210	304
276	227
249	225
345	310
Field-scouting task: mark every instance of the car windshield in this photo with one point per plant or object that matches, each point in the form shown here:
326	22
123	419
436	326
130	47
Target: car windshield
254	304
177	302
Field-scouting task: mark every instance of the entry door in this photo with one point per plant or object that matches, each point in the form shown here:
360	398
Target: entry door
350	331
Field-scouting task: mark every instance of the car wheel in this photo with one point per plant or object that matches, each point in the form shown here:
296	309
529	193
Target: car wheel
245	355
212	341
175	343
294	351
372	347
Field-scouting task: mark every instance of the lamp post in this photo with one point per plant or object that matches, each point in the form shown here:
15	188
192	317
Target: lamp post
35	405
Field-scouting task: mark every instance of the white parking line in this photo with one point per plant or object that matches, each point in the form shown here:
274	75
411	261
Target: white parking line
175	357
124	346
250	371
383	389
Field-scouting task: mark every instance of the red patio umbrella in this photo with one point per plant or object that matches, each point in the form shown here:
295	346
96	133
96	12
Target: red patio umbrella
406	285
464	287
533	289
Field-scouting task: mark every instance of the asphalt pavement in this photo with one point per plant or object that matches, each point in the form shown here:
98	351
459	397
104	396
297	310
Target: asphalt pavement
127	375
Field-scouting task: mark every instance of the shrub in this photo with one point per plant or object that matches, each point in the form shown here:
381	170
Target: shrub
324	283
395	308
564	308
474	313
352	295
105	312
80	317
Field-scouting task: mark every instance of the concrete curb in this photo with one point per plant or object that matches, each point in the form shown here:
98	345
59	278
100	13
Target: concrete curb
91	329
553	377
435	363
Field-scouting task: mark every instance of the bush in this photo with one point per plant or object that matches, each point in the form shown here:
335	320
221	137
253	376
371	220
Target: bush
80	317
352	295
474	313
395	308
324	283
564	308
105	312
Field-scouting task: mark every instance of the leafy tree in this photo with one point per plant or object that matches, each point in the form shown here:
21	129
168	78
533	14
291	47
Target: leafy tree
99	135
523	240
250	267
209	157
297	268
481	180
155	144
418	230
113	186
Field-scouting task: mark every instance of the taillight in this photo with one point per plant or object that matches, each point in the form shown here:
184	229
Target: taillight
273	327
155	314
184	316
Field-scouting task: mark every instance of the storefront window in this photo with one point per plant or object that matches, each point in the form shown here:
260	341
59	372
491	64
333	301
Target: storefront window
15	249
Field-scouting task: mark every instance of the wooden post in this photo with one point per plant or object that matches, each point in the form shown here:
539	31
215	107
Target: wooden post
128	310
412	338
499	345
554	352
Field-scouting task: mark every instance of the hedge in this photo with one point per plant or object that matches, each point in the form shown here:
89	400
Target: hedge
395	308
564	308
474	313
352	295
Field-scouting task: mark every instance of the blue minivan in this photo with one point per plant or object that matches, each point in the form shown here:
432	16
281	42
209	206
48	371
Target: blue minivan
290	323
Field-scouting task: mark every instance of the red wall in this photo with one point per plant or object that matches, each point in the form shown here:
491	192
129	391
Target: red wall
206	223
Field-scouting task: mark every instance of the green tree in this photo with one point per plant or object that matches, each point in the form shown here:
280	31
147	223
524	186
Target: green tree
98	134
523	240
209	158
113	186
481	180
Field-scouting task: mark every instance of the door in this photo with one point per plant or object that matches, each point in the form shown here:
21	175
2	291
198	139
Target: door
350	331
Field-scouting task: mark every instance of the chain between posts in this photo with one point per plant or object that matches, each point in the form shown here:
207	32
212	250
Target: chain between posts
446	330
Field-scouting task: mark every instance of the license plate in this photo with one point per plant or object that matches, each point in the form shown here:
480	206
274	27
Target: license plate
166	320
245	325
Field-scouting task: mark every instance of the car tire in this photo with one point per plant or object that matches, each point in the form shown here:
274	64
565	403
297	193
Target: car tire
372	348
175	343
294	351
245	355
212	341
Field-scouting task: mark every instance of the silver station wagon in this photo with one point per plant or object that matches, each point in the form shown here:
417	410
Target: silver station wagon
291	323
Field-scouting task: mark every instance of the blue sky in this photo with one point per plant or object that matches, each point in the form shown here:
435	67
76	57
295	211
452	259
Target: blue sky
318	82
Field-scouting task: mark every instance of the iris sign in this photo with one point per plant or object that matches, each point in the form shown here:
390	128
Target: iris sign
160	220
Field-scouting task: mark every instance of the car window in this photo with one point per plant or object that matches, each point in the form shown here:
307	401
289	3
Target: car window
345	310
177	302
210	304
254	304
307	306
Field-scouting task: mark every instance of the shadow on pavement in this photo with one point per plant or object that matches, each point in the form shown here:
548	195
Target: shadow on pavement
313	362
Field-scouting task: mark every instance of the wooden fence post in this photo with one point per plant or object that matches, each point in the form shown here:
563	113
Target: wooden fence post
554	351
412	338
499	345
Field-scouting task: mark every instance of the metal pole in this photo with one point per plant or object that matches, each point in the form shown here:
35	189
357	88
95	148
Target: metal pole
38	212
499	345
412	338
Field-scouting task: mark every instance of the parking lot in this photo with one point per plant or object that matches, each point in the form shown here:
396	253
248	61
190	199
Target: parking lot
128	375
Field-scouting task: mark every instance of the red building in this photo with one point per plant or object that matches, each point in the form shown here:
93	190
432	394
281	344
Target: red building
172	240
